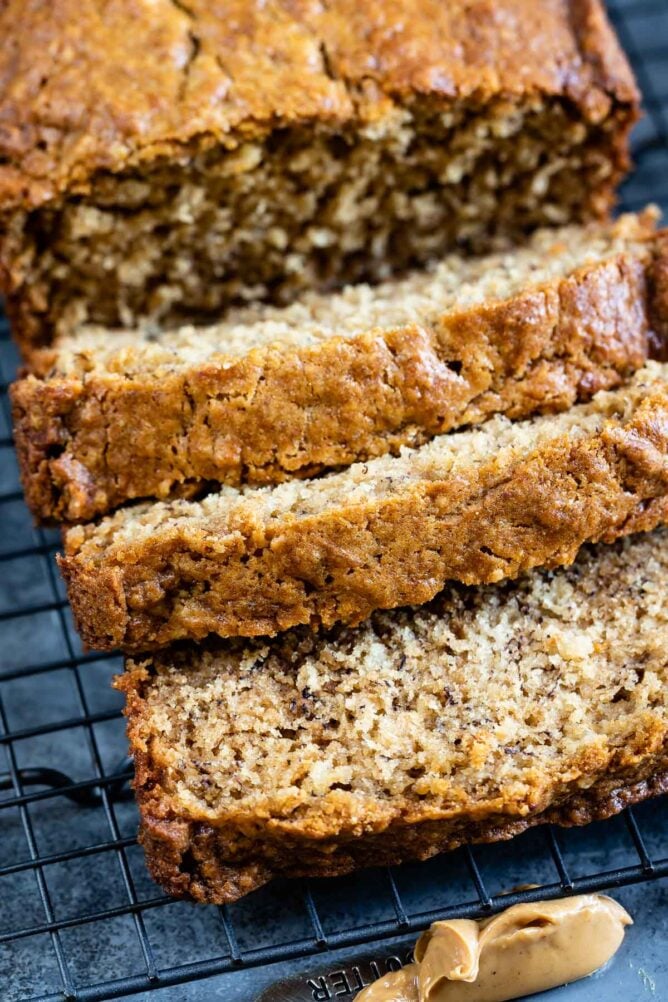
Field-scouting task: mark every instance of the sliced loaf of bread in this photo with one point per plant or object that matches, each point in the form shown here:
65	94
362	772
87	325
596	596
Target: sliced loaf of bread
164	159
475	506
490	710
110	416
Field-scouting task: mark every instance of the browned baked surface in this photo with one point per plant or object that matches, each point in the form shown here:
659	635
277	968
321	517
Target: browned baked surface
474	506
67	112
92	439
471	719
215	865
157	158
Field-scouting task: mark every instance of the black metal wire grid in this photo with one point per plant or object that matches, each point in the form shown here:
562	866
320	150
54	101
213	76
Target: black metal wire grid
71	874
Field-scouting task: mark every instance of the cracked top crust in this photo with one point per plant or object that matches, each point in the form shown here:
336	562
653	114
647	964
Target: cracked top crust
88	86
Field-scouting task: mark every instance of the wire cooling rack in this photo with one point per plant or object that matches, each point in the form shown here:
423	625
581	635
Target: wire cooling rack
79	917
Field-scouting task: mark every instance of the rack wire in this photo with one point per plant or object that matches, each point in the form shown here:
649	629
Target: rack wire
71	874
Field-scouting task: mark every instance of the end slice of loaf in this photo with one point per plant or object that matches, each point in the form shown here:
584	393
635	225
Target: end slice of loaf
474	506
174	157
471	719
110	416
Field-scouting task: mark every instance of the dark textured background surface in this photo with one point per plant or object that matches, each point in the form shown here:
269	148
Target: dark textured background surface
98	918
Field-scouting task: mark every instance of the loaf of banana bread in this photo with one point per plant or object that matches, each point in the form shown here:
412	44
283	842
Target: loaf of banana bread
471	719
161	160
278	392
475	506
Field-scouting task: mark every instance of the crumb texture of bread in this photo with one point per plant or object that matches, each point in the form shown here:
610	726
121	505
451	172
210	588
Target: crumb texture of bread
475	506
166	160
488	710
272	393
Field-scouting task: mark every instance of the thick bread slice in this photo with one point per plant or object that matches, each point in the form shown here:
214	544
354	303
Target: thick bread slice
471	719
474	506
336	379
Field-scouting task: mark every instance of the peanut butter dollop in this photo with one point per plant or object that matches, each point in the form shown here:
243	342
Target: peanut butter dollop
528	948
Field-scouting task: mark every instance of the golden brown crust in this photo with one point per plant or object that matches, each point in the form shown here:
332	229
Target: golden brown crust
658	298
489	521
220	864
462	721
191	860
80	95
116	126
87	444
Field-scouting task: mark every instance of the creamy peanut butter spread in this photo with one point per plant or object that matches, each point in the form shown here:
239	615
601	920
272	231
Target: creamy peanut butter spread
528	948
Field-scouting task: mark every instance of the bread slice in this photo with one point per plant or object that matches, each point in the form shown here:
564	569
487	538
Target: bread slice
471	719
168	159
273	393
474	506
